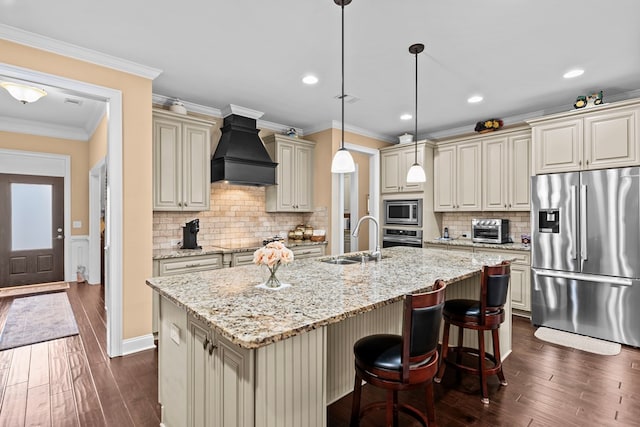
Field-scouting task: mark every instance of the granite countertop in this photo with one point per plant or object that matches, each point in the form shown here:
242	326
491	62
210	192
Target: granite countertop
462	241
212	250
320	293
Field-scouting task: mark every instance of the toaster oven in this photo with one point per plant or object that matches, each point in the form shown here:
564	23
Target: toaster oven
490	230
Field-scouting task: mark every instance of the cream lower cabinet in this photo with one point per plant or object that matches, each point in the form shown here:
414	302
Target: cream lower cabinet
219	380
520	273
394	165
506	172
299	252
457	177
293	191
602	137
181	162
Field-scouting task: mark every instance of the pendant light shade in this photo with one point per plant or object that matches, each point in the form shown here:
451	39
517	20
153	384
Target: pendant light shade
416	173
23	93
342	160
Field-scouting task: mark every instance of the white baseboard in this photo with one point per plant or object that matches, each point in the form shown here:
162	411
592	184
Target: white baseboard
134	345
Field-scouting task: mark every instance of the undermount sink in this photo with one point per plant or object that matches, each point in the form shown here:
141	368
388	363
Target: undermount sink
351	259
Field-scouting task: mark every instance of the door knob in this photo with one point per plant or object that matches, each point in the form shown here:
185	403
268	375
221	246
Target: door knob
59	237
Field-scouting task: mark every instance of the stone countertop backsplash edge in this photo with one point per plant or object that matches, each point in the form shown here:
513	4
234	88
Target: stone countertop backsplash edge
213	250
466	242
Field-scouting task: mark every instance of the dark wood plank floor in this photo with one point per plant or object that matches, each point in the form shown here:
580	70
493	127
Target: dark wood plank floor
549	385
71	382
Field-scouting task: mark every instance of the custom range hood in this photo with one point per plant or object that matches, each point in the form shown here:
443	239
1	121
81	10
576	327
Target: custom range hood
241	157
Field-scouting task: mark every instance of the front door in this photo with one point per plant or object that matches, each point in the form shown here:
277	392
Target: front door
31	229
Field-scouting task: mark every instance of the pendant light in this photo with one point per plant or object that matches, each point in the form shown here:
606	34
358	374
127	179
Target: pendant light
342	160
23	93
416	173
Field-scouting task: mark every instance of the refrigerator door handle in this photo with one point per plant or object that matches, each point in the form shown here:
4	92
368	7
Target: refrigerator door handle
583	224
619	281
574	220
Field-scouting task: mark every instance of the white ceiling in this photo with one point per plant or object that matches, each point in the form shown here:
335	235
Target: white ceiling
254	53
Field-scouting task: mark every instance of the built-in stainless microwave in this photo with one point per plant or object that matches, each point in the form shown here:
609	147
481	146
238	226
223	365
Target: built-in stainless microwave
403	212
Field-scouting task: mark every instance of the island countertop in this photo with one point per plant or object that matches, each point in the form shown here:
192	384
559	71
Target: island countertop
320	293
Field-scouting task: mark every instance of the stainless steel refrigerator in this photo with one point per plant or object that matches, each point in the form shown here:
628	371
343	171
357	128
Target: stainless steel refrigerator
585	253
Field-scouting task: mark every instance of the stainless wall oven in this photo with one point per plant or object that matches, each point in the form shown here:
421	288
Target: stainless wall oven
403	212
393	237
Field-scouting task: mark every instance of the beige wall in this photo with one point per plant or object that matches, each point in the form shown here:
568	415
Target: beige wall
98	143
327	143
78	151
137	175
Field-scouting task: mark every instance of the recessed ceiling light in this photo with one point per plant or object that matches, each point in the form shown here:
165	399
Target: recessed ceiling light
406	116
475	99
309	79
573	73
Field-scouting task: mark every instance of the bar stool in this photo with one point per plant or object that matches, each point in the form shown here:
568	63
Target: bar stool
484	315
402	362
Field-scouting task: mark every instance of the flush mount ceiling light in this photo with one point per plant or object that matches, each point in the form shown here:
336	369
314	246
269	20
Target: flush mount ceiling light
406	116
23	93
475	99
309	79
573	73
342	160
416	173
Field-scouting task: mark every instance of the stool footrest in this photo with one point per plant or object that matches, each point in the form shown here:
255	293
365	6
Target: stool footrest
401	407
454	351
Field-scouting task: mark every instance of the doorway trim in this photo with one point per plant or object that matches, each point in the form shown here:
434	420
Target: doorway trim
96	180
337	188
113	235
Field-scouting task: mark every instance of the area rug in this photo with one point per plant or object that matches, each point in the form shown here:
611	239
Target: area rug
38	318
580	342
33	289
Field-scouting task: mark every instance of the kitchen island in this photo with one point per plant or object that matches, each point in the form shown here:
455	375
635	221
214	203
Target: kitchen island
232	354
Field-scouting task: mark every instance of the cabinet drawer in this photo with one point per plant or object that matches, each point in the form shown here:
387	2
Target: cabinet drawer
523	258
307	252
242	258
190	264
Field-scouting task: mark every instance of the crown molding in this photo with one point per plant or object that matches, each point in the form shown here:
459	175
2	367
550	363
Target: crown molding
241	111
215	112
335	124
29	127
48	44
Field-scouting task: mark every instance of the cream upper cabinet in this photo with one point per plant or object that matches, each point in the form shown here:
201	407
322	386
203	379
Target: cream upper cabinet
293	191
395	163
506	172
597	138
181	162
457	177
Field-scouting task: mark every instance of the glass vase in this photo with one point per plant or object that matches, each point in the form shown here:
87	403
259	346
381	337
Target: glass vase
272	281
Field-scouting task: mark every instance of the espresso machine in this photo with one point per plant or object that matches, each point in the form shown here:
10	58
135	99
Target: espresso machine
190	235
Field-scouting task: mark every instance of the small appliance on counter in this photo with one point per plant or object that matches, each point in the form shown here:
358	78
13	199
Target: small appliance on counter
490	230
190	235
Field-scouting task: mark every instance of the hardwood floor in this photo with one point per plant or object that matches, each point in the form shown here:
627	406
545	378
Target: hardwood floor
71	382
549	385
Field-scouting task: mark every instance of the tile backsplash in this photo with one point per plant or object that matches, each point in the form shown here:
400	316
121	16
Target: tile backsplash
237	217
460	222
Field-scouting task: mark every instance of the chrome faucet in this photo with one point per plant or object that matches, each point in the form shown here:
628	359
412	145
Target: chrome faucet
376	254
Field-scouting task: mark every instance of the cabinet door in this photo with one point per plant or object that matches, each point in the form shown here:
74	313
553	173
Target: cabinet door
495	174
519	176
389	181
232	399
444	179
407	160
167	165
469	188
304	179
558	146
196	175
286	177
610	139
199	377
520	287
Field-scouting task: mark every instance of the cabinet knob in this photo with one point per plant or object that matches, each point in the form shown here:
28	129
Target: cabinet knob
186	204
587	162
579	162
206	343
180	204
505	205
509	204
211	348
